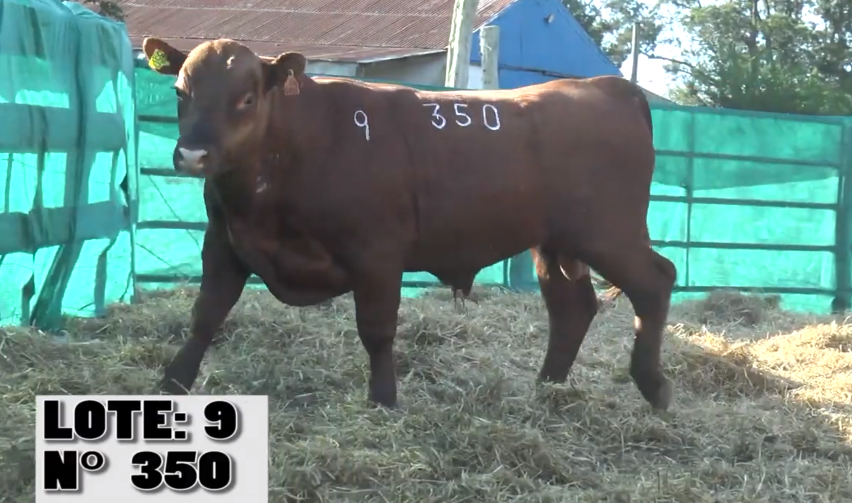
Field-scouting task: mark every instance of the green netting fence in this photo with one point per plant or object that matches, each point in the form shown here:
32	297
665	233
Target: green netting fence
68	162
740	200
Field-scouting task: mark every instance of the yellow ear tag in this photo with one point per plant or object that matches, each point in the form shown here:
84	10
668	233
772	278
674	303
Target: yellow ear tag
158	60
291	85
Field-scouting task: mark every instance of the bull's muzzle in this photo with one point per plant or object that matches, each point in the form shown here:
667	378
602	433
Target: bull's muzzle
190	160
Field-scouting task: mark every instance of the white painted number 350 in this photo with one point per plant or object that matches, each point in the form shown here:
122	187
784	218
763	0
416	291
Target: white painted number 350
490	116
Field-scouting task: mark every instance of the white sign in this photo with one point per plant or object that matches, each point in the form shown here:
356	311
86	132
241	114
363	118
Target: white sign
134	449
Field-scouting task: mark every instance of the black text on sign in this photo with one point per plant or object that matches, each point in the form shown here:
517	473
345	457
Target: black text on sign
130	448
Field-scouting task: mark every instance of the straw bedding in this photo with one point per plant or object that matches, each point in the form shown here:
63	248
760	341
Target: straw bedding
762	412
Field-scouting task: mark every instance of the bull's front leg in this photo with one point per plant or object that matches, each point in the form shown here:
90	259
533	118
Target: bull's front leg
377	296
223	279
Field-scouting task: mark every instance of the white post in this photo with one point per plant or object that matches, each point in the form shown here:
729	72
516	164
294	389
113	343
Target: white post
489	51
458	51
634	54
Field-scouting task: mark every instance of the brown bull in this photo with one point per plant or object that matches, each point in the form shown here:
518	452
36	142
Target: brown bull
323	186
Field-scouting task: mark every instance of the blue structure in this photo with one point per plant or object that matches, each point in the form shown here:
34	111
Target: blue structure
541	41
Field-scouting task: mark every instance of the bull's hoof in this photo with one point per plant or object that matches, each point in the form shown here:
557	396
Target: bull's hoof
383	398
171	385
383	405
553	377
553	370
656	389
390	407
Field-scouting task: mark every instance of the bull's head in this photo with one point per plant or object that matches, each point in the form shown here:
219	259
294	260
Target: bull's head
224	99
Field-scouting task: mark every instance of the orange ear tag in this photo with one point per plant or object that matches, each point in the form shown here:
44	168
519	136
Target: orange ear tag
291	85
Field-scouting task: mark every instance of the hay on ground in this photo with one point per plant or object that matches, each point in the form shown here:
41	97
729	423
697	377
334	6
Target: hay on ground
732	308
762	413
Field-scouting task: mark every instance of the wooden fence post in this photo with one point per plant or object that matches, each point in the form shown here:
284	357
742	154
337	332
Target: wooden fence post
489	54
458	51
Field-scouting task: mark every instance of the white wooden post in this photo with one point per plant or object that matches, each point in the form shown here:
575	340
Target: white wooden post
458	51
634	54
489	51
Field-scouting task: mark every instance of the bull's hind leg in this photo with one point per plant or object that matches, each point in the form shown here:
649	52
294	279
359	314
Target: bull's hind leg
571	306
647	278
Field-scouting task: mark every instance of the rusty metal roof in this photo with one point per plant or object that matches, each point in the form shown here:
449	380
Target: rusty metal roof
354	30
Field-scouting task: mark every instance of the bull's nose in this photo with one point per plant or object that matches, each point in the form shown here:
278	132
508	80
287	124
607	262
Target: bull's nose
191	159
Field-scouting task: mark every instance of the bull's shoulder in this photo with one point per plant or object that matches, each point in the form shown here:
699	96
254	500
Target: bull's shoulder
341	83
377	96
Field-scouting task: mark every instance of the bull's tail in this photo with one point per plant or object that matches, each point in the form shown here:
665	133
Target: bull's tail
646	109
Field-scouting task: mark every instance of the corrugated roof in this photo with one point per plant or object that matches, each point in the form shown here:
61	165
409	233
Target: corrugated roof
322	29
336	53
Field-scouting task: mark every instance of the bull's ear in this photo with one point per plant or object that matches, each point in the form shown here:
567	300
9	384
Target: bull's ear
285	70
162	57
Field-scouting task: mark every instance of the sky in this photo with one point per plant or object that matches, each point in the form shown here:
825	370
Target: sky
651	74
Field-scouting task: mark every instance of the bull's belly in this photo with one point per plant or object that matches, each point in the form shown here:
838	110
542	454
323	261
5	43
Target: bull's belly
300	295
465	252
294	279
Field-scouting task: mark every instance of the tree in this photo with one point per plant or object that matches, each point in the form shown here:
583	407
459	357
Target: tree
610	24
789	56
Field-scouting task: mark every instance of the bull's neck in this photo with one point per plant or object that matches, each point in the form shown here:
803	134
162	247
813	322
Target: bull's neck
295	127
236	189
294	141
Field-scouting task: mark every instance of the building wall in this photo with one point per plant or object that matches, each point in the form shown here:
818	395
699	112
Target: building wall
541	41
474	77
332	68
426	70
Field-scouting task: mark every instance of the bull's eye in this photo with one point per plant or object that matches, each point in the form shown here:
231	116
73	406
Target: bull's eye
247	101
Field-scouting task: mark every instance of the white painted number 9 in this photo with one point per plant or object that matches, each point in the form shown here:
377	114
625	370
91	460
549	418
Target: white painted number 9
496	125
436	115
360	119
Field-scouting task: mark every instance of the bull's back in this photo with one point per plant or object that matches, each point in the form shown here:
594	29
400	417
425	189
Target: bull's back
596	151
474	172
486	170
559	153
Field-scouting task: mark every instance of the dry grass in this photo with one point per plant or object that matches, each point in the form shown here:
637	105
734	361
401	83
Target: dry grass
763	409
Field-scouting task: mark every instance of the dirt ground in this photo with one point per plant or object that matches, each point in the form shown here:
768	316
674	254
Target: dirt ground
762	411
